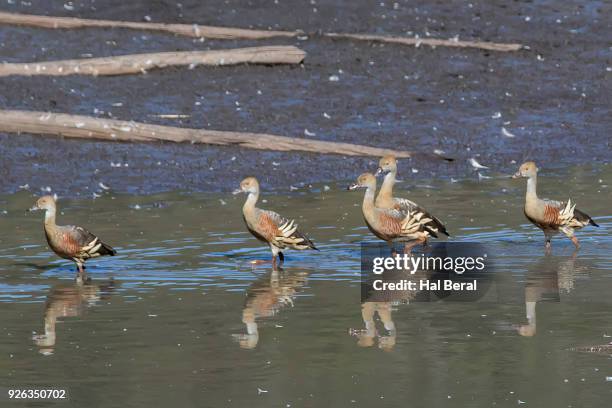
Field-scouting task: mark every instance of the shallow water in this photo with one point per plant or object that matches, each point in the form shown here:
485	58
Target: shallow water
164	321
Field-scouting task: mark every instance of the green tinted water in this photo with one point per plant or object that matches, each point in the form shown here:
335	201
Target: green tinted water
165	321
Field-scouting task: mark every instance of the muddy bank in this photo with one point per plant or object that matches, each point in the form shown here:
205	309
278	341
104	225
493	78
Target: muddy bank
554	98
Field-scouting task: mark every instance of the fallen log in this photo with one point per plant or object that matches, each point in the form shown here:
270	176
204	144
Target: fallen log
141	63
602	348
432	42
86	127
187	30
226	33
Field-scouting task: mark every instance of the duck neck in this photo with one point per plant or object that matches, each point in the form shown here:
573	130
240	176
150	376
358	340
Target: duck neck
249	204
50	217
368	200
531	188
385	195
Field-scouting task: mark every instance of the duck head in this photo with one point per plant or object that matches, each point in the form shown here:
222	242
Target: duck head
366	180
527	170
386	164
249	185
46	203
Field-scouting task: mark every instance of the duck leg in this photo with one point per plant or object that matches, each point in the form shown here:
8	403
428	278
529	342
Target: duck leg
426	247
281	259
277	254
547	243
261	261
575	242
81	276
409	245
569	232
277	262
265	261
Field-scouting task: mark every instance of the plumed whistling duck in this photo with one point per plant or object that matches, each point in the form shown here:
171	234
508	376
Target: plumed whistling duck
69	241
388	224
549	215
430	225
269	227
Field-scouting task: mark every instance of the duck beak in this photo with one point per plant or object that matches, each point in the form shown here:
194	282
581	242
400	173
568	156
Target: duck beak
517	175
34	208
379	171
352	187
237	191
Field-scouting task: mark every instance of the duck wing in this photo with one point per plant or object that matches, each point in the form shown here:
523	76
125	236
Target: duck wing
565	214
283	232
430	223
82	244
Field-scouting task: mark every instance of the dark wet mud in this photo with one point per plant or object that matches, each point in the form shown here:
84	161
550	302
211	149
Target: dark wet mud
554	97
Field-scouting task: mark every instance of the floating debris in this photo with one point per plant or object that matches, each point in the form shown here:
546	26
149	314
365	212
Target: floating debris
475	164
171	116
602	348
113	164
506	133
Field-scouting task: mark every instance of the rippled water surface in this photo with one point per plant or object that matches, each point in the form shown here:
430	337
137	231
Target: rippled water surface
167	321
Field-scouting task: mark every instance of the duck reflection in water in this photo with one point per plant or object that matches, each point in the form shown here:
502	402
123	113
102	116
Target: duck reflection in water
367	337
545	279
382	303
69	301
265	298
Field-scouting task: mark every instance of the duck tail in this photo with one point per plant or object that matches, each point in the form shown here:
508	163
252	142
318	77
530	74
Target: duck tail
584	217
106	249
